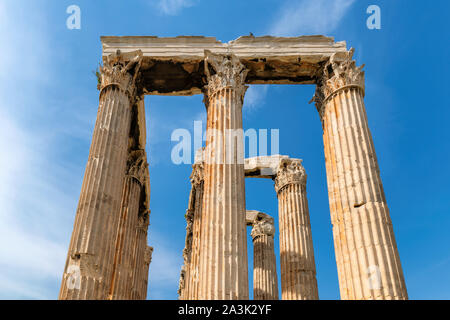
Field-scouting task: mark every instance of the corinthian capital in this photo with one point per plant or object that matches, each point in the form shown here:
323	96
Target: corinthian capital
263	225
120	69
290	171
338	73
138	166
224	71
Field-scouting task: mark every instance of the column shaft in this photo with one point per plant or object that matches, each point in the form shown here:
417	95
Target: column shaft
366	251
187	251
192	274
223	269
123	271
265	280
147	260
298	269
141	259
134	201
89	265
185	274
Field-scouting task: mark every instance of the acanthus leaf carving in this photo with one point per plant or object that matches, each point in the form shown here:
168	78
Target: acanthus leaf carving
138	166
338	73
121	70
137	169
263	225
290	171
229	73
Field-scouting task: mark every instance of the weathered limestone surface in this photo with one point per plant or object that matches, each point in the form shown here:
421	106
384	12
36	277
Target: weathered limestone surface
366	252
134	205
147	260
263	166
298	269
187	251
223	268
144	258
141	257
92	246
108	255
175	66
192	255
265	280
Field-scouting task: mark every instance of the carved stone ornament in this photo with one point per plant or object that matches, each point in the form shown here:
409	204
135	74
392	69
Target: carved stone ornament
120	70
263	225
290	171
138	166
229	72
338	73
197	174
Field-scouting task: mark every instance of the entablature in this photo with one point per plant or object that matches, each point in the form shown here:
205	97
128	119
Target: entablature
175	65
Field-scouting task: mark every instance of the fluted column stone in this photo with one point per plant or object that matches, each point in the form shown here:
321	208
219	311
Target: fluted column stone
188	288
265	280
140	258
145	269
89	265
187	251
134	201
223	269
366	251
298	269
192	276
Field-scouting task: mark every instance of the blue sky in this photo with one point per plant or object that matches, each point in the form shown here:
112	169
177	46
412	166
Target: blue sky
49	103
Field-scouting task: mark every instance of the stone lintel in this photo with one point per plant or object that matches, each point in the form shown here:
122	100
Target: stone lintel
252	216
263	167
175	65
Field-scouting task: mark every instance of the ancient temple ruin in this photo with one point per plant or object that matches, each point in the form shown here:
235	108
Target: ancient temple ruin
108	255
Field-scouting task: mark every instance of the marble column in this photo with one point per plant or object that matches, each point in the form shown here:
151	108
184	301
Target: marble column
265	280
366	251
189	271
223	269
298	269
187	251
89	265
141	258
134	201
192	280
145	269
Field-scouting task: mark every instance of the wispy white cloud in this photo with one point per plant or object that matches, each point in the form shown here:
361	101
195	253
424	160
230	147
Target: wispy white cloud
255	97
309	17
35	190
174	7
33	247
37	167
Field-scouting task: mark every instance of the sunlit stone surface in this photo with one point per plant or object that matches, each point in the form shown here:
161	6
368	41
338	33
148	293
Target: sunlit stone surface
108	256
